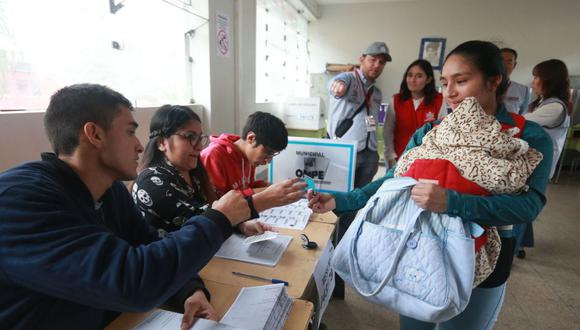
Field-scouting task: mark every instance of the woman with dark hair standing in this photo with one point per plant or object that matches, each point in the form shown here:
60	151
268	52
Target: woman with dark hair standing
416	103
551	109
472	69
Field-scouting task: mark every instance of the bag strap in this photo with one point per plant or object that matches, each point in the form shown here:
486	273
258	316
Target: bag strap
353	260
358	110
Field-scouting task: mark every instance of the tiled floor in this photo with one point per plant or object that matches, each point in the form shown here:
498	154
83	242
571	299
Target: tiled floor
543	291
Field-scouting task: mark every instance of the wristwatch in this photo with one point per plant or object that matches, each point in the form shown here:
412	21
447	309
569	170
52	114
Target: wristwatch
253	213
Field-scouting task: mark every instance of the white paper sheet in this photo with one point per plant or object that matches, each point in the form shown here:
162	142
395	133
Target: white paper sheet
267	235
260	307
165	320
263	253
292	216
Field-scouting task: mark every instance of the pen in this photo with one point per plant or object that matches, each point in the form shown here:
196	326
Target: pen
273	280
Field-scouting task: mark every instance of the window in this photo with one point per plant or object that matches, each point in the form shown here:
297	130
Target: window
281	52
139	51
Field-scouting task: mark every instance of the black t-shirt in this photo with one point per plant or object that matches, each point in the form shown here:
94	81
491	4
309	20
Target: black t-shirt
165	199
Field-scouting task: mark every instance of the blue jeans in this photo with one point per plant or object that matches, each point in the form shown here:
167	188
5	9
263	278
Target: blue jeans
481	313
367	165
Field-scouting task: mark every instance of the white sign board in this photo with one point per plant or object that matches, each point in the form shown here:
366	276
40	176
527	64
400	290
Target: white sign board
324	279
330	163
303	113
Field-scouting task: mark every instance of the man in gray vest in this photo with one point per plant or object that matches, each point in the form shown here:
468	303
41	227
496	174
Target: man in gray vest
517	96
354	106
353	116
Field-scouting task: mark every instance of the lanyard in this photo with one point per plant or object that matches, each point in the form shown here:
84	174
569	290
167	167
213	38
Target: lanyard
366	96
244	178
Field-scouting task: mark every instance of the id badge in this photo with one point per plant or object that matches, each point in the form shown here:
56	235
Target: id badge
371	123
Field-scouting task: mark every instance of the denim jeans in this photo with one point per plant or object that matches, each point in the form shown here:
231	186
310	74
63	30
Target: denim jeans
367	165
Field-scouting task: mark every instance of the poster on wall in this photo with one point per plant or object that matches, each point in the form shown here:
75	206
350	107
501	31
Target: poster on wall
223	36
433	50
330	163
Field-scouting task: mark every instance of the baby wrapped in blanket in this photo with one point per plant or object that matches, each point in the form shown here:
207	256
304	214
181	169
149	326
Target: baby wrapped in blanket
469	152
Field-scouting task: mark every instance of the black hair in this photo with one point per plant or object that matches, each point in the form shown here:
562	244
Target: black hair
270	130
71	107
429	90
510	50
487	58
167	120
555	82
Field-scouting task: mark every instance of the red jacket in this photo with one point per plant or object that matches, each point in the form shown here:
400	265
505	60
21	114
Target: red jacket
409	119
224	161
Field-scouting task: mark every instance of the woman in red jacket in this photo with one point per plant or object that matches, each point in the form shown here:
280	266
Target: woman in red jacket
416	103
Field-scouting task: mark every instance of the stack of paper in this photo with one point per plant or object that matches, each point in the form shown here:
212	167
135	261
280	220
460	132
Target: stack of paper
165	320
293	216
259	308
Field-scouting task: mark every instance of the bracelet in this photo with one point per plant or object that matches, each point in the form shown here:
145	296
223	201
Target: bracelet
253	213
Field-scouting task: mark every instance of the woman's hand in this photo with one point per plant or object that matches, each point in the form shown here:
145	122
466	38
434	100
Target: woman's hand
320	202
430	196
254	227
197	306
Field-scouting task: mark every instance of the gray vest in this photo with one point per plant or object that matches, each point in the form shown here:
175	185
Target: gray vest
558	133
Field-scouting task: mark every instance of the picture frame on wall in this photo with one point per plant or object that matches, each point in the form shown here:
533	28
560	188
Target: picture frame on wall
433	51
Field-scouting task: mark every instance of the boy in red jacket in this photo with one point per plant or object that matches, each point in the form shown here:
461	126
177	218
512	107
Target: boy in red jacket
231	160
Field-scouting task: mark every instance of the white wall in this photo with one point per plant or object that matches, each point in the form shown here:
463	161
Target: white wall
222	77
538	30
22	135
245	61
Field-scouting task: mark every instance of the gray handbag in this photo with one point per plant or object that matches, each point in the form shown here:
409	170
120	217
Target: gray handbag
415	262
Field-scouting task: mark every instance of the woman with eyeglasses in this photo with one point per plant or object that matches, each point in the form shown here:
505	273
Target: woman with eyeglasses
173	185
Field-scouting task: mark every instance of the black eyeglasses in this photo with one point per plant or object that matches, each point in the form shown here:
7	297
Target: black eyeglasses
271	153
195	139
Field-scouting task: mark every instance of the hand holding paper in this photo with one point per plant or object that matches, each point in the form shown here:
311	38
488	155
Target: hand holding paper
320	203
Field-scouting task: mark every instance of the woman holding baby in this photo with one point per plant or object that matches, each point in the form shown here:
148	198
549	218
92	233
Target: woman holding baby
472	69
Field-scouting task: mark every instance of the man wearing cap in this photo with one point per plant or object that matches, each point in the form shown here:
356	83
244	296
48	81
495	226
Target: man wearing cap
353	113
517	97
354	106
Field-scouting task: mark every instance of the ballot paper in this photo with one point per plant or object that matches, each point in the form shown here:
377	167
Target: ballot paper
165	320
267	235
266	253
293	216
260	308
